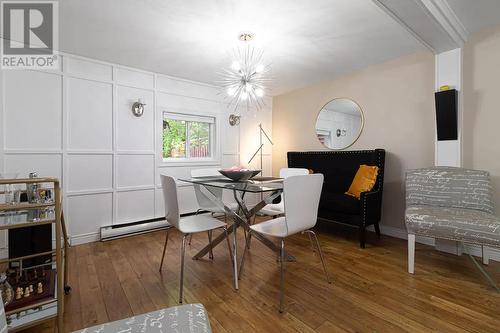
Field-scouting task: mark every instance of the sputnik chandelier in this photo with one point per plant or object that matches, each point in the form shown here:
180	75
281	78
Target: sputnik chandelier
245	81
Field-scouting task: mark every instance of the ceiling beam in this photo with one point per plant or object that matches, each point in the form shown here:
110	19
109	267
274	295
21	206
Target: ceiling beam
441	11
431	22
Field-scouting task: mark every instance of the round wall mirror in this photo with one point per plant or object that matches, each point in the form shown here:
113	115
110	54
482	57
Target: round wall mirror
339	123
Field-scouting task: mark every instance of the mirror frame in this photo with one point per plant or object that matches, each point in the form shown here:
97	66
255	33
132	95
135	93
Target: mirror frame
360	129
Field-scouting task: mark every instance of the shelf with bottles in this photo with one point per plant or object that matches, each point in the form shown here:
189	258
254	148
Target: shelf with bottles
26	193
25	206
11	219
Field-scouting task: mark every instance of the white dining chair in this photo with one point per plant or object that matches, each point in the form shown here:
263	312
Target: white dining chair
279	208
204	203
301	199
186	225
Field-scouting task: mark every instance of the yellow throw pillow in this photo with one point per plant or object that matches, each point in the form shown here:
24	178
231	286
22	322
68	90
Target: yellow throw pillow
365	179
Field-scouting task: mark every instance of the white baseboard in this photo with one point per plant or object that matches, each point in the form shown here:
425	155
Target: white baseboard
475	250
84	238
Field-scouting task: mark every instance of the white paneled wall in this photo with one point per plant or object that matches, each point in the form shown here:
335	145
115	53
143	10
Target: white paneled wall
27	96
77	125
88	117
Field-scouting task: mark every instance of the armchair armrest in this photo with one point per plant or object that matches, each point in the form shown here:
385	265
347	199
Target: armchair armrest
371	205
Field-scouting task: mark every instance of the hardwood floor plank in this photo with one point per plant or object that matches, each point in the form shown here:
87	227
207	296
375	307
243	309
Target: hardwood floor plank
115	300
149	276
371	289
93	309
139	300
328	327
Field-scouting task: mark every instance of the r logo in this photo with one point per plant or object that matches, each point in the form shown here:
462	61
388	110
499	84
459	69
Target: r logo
28	28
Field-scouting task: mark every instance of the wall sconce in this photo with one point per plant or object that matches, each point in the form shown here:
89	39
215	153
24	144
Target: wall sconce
138	108
234	120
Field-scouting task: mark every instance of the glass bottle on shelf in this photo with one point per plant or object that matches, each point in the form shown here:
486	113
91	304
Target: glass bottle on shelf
32	189
9	189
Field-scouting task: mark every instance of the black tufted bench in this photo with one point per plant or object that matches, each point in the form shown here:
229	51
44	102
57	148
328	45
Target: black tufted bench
339	168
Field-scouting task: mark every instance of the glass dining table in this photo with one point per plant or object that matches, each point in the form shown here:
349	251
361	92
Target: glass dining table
266	188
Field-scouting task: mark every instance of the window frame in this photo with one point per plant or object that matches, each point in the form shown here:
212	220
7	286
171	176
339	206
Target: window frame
214	140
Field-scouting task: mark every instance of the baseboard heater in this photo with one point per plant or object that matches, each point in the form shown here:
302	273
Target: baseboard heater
135	228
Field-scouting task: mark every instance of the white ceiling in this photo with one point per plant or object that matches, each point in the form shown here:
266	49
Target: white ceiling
305	41
476	14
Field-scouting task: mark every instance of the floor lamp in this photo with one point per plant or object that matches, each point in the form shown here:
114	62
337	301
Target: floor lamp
261	144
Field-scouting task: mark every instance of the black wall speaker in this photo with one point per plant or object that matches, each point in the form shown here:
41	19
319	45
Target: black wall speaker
446	115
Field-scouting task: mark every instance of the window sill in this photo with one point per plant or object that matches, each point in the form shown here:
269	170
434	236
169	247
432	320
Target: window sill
189	162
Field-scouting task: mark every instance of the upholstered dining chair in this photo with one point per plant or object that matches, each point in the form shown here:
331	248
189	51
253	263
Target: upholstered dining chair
186	225
204	203
301	199
276	209
454	204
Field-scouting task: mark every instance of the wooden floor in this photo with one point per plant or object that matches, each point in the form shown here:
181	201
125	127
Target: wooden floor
371	290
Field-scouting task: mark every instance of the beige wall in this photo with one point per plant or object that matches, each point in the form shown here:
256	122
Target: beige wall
397	100
481	77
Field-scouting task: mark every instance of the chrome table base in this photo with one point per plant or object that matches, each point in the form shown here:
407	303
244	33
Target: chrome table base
242	218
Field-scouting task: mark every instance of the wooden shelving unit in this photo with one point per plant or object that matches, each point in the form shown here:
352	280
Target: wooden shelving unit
46	309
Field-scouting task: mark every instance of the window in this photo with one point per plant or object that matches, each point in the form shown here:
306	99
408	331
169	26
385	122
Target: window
187	136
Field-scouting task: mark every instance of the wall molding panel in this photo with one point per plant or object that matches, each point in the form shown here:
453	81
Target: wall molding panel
77	125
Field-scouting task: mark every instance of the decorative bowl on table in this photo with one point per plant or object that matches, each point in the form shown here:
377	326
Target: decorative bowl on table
239	175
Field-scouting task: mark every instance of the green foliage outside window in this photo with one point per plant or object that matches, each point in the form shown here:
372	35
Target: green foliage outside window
175	134
199	139
174	138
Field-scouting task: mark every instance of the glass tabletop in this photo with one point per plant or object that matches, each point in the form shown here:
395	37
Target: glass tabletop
253	186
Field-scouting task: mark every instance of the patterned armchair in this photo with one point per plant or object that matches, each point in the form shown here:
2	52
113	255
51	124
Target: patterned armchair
450	203
189	318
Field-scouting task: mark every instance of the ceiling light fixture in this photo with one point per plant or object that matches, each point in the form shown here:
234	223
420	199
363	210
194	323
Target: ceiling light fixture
245	80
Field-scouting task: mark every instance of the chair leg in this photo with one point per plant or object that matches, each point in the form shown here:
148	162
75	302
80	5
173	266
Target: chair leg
411	253
313	248
310	232
377	229
191	235
229	245
235	258
485	256
250	234
282	274
164	250
249	238
183	251
362	237
245	234
210	253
